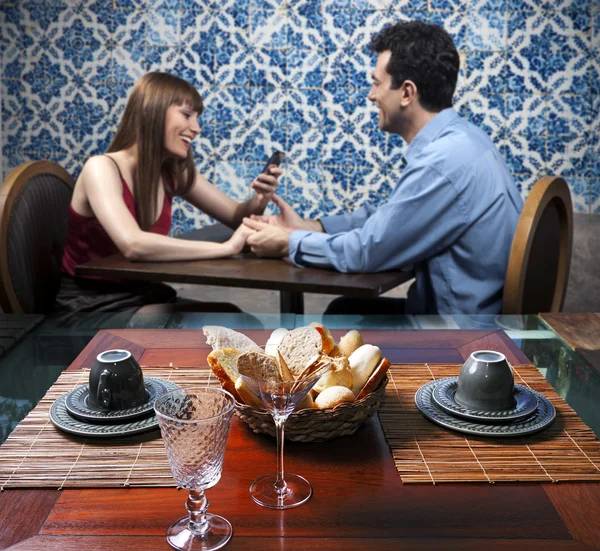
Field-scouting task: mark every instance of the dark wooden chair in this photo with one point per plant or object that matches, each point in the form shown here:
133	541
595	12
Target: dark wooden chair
540	256
34	207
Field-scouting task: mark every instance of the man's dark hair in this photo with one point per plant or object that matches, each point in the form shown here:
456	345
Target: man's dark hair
425	54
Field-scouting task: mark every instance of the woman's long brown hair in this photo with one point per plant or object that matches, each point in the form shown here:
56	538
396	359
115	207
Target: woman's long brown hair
143	123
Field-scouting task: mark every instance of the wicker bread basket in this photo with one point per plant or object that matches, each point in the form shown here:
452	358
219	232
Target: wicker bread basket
317	425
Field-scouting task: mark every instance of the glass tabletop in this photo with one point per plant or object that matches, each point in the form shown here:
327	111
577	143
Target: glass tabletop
29	368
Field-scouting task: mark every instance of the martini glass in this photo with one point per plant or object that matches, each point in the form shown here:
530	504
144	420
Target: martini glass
282	490
194	424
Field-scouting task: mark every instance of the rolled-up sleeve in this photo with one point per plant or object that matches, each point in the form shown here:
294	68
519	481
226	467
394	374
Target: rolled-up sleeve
424	215
350	221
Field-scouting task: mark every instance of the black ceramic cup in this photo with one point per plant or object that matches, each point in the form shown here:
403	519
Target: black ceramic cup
486	382
116	382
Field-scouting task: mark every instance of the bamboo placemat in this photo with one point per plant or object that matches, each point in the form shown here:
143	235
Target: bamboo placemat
37	454
427	453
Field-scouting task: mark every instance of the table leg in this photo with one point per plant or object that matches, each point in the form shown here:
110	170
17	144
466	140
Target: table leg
291	302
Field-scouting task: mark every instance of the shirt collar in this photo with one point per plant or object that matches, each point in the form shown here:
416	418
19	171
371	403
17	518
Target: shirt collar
427	134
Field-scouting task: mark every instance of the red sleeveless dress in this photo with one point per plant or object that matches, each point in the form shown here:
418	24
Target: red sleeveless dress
87	240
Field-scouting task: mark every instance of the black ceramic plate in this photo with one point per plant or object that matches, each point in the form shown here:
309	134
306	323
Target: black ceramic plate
543	416
444	396
61	418
76	403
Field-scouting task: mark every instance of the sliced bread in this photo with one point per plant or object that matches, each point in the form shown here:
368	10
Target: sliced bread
247	395
222	337
222	362
258	365
299	348
284	370
375	378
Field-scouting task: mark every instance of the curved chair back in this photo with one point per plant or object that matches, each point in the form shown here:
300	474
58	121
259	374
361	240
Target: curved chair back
34	207
540	257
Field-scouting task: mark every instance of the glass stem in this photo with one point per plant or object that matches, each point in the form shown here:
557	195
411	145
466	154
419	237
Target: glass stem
280	485
197	504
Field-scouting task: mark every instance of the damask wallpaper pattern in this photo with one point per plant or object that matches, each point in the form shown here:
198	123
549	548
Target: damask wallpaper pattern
294	75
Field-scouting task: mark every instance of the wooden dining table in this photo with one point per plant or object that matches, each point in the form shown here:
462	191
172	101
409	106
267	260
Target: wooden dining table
359	503
248	271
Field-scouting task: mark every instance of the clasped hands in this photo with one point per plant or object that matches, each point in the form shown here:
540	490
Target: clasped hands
268	235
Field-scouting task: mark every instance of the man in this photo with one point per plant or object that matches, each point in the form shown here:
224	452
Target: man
454	211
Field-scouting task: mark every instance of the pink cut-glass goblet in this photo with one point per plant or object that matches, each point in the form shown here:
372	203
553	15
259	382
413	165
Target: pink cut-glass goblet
194	424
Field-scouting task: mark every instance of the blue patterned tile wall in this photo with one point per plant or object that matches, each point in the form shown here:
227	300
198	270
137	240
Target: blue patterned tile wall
294	75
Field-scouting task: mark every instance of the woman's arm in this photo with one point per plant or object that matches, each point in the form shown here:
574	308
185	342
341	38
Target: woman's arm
103	193
211	200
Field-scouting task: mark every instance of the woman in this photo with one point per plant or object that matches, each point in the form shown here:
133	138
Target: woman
122	201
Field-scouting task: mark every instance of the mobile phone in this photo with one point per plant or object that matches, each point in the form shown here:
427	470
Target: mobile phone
274	159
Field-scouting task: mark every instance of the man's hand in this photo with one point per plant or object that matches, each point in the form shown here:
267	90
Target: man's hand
288	218
267	239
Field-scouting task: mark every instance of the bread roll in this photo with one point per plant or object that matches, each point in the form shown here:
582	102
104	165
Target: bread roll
336	352
338	375
318	363
274	341
306	403
363	362
328	343
350	342
333	396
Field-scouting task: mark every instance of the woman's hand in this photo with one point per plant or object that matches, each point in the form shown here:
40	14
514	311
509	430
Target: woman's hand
237	241
266	183
210	199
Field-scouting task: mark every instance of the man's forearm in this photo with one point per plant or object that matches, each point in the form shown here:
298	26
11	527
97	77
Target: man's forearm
314	225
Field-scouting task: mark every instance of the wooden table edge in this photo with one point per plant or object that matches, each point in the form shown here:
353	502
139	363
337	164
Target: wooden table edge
389	280
276	543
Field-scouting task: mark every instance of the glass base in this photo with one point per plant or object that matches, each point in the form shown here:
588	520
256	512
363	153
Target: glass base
219	532
298	491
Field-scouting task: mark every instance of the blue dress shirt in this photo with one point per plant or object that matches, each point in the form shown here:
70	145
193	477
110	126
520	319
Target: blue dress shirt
452	216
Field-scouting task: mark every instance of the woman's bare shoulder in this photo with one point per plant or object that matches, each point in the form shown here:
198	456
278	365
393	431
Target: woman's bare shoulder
100	170
98	162
99	167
